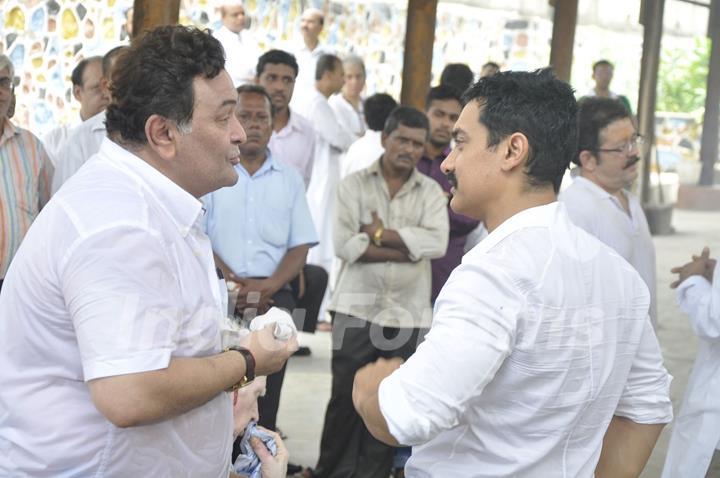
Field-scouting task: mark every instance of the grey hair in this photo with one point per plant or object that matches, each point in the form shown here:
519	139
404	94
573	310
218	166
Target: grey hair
355	60
5	62
184	127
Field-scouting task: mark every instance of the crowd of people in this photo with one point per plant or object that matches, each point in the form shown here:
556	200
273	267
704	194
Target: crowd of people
499	322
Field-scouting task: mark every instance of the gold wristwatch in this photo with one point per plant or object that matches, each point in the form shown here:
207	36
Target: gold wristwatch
377	236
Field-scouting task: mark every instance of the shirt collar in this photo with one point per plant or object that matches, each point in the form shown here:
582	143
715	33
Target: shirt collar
414	179
268	164
181	206
293	121
97	122
9	131
593	188
538	216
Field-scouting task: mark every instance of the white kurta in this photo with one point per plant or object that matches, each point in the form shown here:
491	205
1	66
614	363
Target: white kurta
350	118
241	54
696	432
331	141
362	153
601	214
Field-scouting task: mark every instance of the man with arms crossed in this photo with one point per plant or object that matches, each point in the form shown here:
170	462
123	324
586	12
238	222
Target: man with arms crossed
111	361
540	338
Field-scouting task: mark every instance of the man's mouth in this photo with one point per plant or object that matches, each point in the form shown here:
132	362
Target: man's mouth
631	162
235	160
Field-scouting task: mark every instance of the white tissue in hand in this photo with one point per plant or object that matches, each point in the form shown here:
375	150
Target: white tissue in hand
284	325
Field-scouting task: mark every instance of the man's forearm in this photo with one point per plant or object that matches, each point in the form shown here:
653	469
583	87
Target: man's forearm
383	254
374	420
626	448
150	397
290	265
391	238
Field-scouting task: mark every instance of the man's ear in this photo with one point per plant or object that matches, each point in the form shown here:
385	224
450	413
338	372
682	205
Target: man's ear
383	139
517	150
162	135
588	161
76	92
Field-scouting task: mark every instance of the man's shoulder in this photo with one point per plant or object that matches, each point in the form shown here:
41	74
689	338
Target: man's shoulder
301	123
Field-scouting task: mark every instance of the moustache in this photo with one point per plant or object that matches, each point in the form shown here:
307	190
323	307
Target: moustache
631	162
450	175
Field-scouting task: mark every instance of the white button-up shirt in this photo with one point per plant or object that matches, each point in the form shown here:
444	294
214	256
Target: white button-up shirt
83	142
539	337
114	277
54	140
362	153
601	214
295	145
241	54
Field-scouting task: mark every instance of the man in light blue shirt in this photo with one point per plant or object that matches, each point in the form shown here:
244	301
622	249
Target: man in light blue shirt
261	231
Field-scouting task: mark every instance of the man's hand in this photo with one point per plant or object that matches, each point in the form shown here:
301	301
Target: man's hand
255	293
367	379
370	229
271	466
701	265
270	353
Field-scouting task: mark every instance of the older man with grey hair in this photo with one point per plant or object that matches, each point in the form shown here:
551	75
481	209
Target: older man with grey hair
25	173
241	49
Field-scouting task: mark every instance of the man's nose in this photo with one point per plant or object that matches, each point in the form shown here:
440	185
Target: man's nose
237	133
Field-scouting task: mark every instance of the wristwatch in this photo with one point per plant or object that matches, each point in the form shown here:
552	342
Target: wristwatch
377	236
249	367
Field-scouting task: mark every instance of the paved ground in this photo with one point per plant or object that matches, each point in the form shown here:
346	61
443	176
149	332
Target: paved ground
307	383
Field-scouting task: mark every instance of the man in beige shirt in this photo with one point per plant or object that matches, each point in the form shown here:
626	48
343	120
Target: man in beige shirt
391	220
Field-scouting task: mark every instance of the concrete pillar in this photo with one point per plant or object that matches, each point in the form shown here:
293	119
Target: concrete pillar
563	37
711	121
148	14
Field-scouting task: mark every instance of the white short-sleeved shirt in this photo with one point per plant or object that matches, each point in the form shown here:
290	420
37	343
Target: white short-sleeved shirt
114	277
539	337
82	143
601	214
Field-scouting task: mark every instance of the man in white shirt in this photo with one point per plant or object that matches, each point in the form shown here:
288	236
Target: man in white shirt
293	138
694	447
331	141
540	340
85	140
364	151
309	51
241	50
87	89
597	200
111	360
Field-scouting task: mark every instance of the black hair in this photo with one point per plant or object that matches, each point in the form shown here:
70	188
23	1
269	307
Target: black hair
107	59
406	116
442	92
457	75
77	74
602	63
594	114
276	57
259	90
539	106
155	76
491	64
377	108
326	63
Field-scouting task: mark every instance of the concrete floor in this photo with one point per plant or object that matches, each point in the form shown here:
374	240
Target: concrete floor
307	383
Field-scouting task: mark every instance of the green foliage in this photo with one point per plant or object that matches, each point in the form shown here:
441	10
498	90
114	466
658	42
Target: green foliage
683	78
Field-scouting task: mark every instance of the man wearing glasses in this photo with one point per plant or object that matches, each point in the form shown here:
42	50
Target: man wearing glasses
25	173
598	201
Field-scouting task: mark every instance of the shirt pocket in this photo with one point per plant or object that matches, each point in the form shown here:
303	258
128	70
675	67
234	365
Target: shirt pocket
275	225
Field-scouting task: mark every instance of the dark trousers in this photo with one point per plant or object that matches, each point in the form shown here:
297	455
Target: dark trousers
304	311
347	449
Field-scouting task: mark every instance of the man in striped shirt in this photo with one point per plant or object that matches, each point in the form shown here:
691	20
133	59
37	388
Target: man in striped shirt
25	174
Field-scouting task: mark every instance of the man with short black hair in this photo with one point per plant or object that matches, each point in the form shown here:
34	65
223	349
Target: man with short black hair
261	231
458	76
489	69
442	107
541	359
331	141
87	89
367	149
598	199
603	72
119	315
390	221
293	139
85	140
